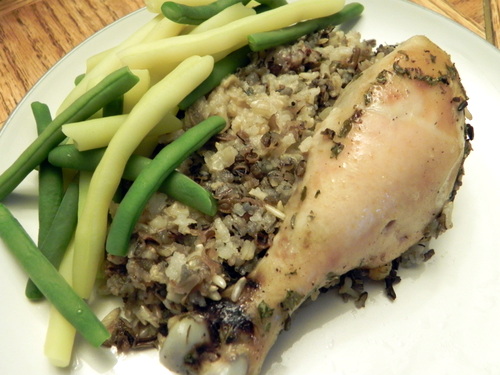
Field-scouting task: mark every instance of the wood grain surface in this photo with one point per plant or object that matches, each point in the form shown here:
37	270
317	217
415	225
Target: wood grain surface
35	34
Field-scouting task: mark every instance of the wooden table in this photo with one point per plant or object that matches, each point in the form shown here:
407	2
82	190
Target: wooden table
35	34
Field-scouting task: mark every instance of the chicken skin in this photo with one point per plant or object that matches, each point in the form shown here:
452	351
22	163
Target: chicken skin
383	165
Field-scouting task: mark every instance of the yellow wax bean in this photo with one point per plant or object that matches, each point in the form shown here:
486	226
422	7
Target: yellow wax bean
228	15
132	96
161	99
97	133
137	36
106	63
60	337
225	38
147	146
102	64
93	133
93	60
164	29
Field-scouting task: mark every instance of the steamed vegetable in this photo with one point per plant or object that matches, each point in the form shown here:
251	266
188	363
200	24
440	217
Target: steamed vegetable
49	280
98	132
176	185
60	337
59	235
225	39
109	88
194	15
50	178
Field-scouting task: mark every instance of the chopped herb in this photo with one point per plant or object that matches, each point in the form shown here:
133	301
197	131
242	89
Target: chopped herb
452	71
425	78
318	192
291	300
267	327
416	73
292	221
382	77
249	91
264	310
368	97
189	359
347	125
329	133
399	69
346	128
303	193
336	149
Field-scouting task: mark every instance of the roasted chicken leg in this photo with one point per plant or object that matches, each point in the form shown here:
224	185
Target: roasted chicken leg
383	165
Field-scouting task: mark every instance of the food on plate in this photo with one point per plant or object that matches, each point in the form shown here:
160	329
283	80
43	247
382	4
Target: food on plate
284	164
309	188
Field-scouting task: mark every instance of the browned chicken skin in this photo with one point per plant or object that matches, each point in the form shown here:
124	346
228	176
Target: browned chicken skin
383	165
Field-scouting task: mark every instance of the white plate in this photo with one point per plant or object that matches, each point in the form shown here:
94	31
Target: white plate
445	319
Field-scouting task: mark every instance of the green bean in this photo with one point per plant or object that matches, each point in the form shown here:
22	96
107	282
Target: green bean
68	156
233	13
50	178
222	69
177	185
108	89
150	178
194	15
265	5
270	4
59	235
48	279
79	78
113	108
269	39
41	113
